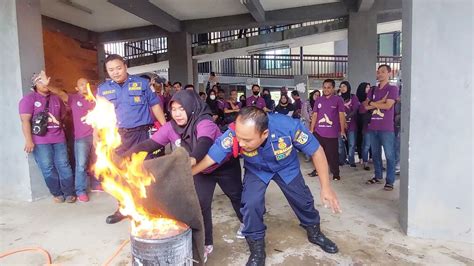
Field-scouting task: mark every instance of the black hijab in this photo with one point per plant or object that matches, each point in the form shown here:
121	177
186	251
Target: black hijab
196	110
361	94
347	95
212	103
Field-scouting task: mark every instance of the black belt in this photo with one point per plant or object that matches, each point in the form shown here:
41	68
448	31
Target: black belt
139	128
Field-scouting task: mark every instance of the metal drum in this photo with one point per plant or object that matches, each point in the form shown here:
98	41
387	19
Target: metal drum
175	250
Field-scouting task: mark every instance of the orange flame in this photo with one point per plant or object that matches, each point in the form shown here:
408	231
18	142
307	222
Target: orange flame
89	96
128	180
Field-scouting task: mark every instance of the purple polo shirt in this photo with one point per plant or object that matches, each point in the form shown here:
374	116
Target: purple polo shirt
256	101
237	104
350	107
205	128
221	104
327	121
80	107
33	103
383	119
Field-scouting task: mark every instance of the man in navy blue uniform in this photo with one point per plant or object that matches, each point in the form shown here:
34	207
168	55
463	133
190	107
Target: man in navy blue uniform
268	143
135	105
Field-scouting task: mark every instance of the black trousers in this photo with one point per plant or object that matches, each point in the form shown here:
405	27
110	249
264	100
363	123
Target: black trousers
331	149
229	178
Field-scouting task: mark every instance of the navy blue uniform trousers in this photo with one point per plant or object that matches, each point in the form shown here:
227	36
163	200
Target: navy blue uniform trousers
253	203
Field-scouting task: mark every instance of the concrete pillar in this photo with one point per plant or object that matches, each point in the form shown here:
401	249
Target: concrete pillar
195	75
362	47
436	181
180	58
100	61
21	40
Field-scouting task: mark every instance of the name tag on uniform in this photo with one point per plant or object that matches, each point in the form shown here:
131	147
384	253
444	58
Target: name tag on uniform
135	86
107	92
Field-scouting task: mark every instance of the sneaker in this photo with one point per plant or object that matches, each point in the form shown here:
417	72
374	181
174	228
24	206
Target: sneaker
239	234
97	188
70	199
59	199
207	251
83	198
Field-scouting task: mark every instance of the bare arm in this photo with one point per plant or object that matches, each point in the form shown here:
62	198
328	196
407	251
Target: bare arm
26	128
383	105
328	197
313	121
205	163
159	114
342	120
60	93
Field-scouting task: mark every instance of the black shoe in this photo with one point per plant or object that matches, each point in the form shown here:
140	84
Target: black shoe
336	178
353	165
257	252
315	236
115	218
313	174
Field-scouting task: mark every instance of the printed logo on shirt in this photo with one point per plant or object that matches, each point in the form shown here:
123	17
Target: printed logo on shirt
302	137
250	153
283	149
135	86
107	92
137	99
226	143
320	105
325	120
177	143
79	103
37	104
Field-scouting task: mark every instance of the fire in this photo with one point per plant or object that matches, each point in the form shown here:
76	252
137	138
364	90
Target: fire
125	179
89	96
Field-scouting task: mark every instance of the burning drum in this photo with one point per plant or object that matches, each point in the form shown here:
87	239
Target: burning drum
163	250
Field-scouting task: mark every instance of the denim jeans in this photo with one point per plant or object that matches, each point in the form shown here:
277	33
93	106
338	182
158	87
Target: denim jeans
397	148
385	139
351	138
52	159
342	151
365	148
82	151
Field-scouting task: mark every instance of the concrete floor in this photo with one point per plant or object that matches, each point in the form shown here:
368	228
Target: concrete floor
367	232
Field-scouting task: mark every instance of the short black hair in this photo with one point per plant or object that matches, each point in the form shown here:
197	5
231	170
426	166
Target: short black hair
188	86
179	83
201	93
255	114
389	69
220	90
256	85
213	73
113	57
295	93
333	83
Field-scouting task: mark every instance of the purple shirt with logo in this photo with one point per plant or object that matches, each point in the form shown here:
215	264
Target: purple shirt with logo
352	106
256	101
80	107
383	119
33	103
327	121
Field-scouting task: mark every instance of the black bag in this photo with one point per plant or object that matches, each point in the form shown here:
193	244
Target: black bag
39	122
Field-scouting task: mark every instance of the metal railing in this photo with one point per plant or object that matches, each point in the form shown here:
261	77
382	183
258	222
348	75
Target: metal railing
288	66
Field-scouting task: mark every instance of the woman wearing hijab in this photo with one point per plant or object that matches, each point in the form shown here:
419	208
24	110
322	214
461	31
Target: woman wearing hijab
268	99
192	128
363	144
284	107
242	101
213	104
351	108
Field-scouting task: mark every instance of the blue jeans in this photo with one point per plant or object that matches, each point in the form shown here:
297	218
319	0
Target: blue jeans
397	148
52	159
385	139
82	151
342	151
351	139
365	147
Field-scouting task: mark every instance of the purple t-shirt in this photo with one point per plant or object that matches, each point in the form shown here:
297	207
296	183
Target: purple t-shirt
256	101
237	104
33	103
221	104
80	107
350	107
383	119
327	121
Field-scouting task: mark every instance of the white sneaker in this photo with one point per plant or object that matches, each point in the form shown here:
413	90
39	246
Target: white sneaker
239	234
207	251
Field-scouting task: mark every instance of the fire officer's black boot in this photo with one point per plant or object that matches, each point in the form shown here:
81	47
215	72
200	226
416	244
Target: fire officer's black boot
115	217
257	252
315	236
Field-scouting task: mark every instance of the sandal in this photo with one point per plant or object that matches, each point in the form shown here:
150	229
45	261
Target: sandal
313	174
388	187
373	181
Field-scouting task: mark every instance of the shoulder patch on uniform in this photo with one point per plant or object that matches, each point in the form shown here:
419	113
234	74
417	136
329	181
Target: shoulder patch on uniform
226	143
302	137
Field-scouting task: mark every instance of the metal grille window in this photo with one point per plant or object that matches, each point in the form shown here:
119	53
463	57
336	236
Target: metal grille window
272	60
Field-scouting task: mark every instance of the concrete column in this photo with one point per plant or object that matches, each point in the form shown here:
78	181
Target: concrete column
100	61
436	181
21	39
195	75
362	47
180	58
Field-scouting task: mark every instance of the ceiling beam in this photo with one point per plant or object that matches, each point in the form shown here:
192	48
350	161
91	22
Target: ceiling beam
149	12
274	17
255	8
131	34
364	5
